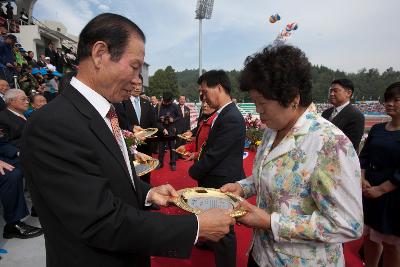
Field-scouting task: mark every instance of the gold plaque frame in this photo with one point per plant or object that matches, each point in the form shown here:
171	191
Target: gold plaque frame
146	133
209	196
142	168
184	137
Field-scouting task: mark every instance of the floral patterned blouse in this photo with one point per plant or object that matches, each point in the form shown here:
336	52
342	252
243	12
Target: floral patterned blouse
311	185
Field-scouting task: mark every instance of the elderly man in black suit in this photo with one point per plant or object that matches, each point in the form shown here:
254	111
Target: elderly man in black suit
4	87
90	202
12	119
12	194
221	158
343	114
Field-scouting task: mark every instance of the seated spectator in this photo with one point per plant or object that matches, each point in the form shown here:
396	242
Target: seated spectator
3	31
37	101
30	59
7	58
49	66
9	11
52	86
4	87
41	62
12	119
12	196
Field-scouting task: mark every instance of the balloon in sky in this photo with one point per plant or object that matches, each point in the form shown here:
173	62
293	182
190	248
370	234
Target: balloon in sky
291	27
274	18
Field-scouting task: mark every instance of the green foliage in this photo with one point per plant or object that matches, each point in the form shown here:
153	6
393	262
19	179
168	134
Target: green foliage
369	84
163	81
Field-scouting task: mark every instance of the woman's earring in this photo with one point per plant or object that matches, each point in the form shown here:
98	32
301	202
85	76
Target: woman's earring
294	106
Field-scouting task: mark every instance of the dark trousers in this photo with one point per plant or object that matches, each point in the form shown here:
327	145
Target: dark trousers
170	144
12	196
225	250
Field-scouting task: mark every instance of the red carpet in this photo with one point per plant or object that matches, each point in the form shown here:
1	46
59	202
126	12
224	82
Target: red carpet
180	179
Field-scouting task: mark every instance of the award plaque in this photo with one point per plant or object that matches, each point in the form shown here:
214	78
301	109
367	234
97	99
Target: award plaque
146	133
184	137
144	167
199	199
181	153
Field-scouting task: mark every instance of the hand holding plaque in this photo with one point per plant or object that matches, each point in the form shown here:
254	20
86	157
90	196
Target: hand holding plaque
199	199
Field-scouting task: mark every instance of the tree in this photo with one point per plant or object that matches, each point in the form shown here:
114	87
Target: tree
164	81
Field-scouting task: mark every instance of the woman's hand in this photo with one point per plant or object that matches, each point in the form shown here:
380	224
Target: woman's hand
233	188
255	217
141	157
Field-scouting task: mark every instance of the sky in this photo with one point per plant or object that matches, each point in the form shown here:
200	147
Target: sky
343	34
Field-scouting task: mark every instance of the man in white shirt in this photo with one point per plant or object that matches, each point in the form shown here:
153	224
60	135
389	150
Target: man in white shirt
343	114
85	190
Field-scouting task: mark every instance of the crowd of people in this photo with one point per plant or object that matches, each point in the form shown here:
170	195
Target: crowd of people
368	107
312	192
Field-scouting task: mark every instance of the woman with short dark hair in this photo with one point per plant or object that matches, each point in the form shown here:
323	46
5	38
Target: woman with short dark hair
306	174
380	172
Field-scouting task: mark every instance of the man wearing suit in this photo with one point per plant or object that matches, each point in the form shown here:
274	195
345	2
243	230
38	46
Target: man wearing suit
12	195
4	87
90	203
183	124
221	158
12	119
139	113
343	114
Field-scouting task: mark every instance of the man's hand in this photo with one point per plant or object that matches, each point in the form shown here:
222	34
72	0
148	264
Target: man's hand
214	224
165	132
373	192
161	195
5	166
10	65
365	184
181	150
234	188
187	134
141	157
137	129
171	119
255	217
190	156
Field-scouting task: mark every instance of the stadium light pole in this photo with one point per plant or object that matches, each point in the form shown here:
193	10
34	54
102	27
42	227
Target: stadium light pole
203	11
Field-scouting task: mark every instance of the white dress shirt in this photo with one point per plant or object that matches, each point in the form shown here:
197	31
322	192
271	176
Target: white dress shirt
17	114
102	106
336	110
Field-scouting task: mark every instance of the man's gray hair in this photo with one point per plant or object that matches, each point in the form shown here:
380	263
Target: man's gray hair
12	94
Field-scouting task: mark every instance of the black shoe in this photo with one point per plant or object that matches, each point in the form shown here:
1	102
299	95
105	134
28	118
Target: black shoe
160	165
173	167
33	212
21	230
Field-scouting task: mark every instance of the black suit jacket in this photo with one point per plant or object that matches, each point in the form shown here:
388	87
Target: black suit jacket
12	127
350	121
183	124
221	160
3	105
147	119
80	185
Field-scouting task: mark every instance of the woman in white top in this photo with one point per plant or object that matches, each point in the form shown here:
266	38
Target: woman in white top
306	173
